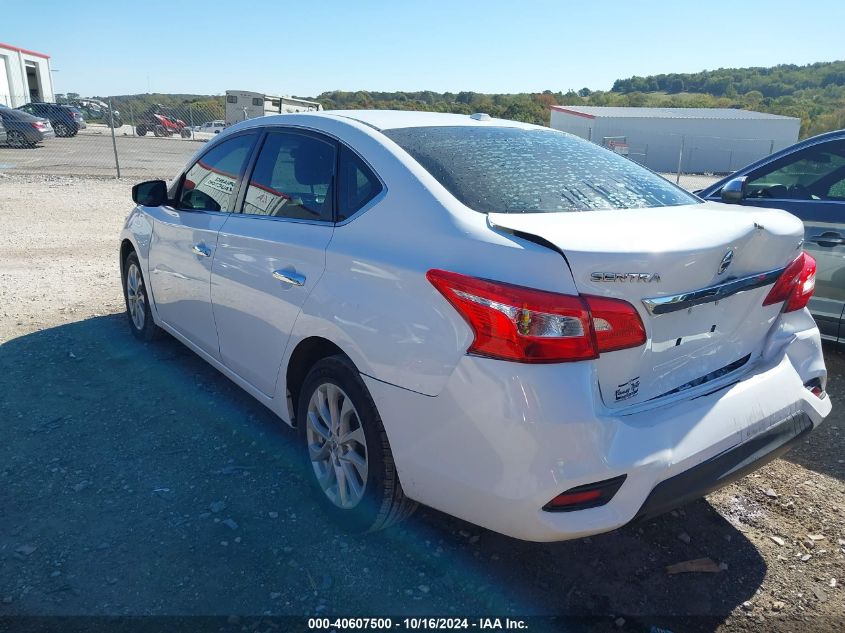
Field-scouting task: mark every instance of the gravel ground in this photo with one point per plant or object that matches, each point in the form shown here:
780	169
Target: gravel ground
134	479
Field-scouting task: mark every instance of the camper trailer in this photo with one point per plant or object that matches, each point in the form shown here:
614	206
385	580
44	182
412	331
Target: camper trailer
242	105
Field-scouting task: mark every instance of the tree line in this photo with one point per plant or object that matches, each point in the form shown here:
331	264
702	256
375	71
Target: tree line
814	93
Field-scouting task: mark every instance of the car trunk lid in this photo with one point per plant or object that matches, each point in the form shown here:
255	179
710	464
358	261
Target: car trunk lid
697	275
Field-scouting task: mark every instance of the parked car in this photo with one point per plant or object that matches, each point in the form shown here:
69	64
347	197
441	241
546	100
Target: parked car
502	321
2	133
24	130
66	121
211	127
808	180
96	110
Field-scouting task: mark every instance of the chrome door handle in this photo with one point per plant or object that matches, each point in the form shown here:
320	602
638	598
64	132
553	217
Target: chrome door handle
827	239
294	279
199	249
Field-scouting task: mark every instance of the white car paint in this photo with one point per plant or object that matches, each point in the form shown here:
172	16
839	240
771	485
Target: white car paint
492	441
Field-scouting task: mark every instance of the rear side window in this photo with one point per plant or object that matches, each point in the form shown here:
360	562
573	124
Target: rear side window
816	173
512	170
357	184
292	178
211	183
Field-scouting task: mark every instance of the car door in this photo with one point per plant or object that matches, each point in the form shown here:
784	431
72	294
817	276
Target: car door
271	254
810	183
184	240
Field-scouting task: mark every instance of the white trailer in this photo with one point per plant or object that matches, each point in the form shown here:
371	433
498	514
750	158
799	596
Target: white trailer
242	105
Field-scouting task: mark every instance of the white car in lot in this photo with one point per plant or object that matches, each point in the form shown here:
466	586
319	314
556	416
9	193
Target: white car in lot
211	127
498	320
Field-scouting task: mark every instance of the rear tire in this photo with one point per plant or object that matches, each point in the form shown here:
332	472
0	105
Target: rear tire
14	138
348	459
159	130
137	301
185	133
141	130
61	129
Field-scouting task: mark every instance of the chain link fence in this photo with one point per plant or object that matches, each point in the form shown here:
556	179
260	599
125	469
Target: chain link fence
136	138
693	161
105	136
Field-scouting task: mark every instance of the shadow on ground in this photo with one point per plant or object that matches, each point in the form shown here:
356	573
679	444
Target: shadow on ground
135	479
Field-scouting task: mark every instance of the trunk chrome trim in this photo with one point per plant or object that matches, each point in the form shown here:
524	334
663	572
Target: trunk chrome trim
684	300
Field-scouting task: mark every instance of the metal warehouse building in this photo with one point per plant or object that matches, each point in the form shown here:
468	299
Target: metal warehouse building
24	76
700	140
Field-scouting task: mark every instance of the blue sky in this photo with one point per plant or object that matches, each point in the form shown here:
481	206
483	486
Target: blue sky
310	46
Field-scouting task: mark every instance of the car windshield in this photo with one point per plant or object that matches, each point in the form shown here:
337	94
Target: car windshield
513	170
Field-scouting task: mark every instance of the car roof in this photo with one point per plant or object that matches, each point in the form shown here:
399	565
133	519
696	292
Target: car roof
18	115
393	119
41	104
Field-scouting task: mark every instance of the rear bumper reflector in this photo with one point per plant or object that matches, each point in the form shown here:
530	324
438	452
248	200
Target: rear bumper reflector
586	496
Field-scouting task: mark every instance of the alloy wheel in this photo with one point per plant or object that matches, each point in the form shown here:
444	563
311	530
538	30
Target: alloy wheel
15	139
337	446
135	297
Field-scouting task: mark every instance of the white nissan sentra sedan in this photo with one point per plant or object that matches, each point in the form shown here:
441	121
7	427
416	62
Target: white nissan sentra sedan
498	320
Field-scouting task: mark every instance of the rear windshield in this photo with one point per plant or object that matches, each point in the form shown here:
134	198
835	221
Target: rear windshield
511	170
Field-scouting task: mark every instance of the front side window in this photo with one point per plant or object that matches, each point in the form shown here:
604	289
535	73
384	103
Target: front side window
292	178
816	173
211	184
356	184
512	170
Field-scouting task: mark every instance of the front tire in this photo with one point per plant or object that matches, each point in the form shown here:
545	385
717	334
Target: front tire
137	302
141	130
348	458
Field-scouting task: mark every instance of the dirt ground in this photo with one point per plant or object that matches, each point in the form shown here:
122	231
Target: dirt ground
136	480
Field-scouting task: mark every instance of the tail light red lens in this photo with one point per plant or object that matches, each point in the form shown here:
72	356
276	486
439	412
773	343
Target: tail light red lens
534	326
617	324
796	284
38	125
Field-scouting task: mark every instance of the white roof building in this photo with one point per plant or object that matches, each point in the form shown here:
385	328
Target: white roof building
24	76
702	140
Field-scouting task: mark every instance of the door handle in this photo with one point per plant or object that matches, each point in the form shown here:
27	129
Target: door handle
199	249
294	279
827	239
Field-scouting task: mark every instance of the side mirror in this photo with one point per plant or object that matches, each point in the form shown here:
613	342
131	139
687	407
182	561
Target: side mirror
734	191
152	193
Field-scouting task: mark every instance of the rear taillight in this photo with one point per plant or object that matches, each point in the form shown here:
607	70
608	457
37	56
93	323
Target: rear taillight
534	326
38	125
795	285
617	324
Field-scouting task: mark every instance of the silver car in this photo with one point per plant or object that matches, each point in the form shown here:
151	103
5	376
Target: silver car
808	180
